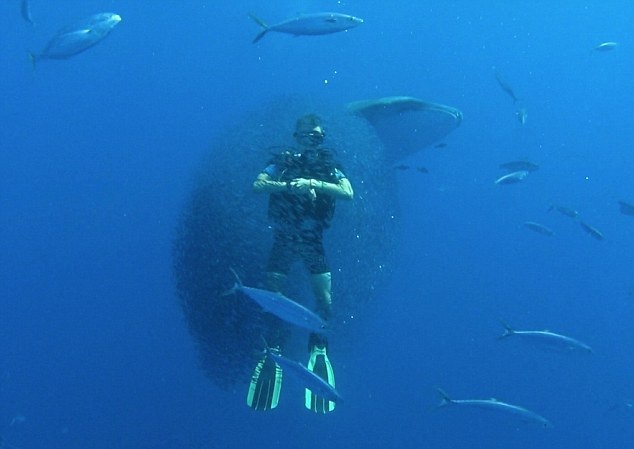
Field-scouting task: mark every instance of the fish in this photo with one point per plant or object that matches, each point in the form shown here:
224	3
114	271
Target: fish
493	404
25	11
567	211
310	24
303	375
505	86
522	115
594	232
440	145
626	208
519	165
606	46
513	177
540	228
401	167
74	39
279	305
547	340
422	169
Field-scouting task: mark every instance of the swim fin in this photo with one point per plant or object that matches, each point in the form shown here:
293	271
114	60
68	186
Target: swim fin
266	384
320	365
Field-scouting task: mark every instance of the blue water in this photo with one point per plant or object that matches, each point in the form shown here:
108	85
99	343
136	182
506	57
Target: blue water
98	153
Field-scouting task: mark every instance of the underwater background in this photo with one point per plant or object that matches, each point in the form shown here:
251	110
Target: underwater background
99	155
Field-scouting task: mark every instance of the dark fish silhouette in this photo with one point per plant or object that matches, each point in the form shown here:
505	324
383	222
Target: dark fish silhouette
422	169
505	86
440	145
594	232
25	11
540	228
626	208
519	165
401	167
572	213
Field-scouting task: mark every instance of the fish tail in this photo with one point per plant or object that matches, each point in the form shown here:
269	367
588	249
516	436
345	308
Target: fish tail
33	59
508	330
263	24
444	398
231	290
238	281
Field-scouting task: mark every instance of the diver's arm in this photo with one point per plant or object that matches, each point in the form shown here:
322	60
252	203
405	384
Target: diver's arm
341	190
265	184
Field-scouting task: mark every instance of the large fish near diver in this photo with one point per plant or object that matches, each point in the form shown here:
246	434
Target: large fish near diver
493	404
310	24
305	377
74	39
546	340
282	307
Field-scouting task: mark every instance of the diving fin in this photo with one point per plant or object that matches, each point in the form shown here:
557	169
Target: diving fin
266	384
321	366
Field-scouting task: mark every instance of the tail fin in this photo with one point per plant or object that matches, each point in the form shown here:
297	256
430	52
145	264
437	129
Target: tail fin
33	59
235	287
508	330
262	24
444	399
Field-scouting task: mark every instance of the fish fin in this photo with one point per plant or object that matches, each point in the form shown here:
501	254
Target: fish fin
319	364
231	291
508	330
33	59
266	385
263	24
444	398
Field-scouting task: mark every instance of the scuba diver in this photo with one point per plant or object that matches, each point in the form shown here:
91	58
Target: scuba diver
303	185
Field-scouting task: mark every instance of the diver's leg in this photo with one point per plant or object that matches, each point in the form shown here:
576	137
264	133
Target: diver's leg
319	363
266	380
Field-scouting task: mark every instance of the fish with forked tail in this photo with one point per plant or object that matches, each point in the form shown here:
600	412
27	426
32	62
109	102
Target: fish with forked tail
493	404
310	24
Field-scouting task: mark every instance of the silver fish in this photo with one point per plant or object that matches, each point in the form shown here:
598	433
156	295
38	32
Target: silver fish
547	340
513	177
540	228
77	38
282	307
493	404
606	46
310	24
594	232
307	378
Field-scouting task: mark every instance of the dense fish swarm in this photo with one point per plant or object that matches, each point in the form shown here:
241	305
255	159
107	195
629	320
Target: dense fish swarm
224	224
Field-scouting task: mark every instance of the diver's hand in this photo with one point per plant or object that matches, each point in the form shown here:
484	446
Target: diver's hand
304	186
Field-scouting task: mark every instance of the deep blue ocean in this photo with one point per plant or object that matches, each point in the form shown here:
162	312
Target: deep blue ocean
99	153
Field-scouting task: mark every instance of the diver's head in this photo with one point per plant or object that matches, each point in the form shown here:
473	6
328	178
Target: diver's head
308	131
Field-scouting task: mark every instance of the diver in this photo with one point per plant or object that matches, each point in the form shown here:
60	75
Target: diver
302	184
